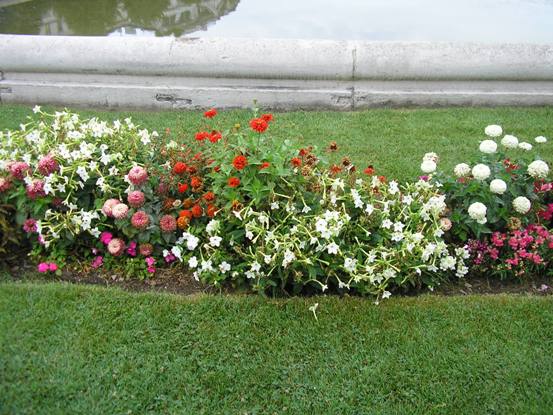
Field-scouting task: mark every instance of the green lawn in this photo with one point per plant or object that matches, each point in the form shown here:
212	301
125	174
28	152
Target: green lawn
394	141
73	349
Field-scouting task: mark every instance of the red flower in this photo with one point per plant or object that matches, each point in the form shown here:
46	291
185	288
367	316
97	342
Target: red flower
195	182
210	113
267	117
198	156
211	210
264	165
259	125
234	182
334	169
303	152
183	187
209	197
186	214
369	170
382	179
215	136
180	167
192	169
240	162
296	162
217	169
202	135
197	211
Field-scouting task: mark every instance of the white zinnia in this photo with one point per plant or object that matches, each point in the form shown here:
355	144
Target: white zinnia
522	205
481	172
525	146
493	130
510	141
461	170
477	211
540	140
498	186
538	169
428	166
488	146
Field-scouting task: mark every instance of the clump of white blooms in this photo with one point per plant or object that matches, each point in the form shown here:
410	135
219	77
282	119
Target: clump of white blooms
462	170
481	172
488	146
498	186
477	211
538	169
522	205
525	146
540	140
428	166
493	130
509	141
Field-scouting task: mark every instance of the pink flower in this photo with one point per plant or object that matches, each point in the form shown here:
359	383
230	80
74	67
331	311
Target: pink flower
136	199
5	184
140	220
43	267
47	165
131	250
138	175
150	262
30	226
97	262
116	246
168	223
52	267
120	211
108	207
106	237
35	189
170	258
18	169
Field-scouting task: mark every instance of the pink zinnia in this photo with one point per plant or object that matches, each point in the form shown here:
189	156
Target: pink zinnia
30	226
136	199
35	189
138	175
108	207
5	184
47	165
146	249
119	211
168	223
18	169
140	220
43	267
106	237
116	247
52	267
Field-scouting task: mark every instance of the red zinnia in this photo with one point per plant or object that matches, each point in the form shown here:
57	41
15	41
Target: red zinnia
195	182
264	165
267	117
209	197
234	182
215	136
183	187
259	125
186	214
369	170
210	113
197	211
296	162
202	135
180	167
240	162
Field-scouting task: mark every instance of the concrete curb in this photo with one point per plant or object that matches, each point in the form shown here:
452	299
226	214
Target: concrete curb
284	74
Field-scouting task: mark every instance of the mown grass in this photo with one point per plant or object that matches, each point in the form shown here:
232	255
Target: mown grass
392	140
74	349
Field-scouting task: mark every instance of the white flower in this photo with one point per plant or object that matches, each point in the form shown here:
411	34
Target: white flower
477	211
256	267
509	141
493	130
249	235
447	262
538	169
274	205
192	242
481	172
212	226
332	248
306	209
488	146
224	267
193	262
393	188
407	200
525	146
81	171
540	140
386	224
36	109
386	294
522	205
461	170
144	137
431	156
350	265
369	209
215	241
267	259
498	186
428	166
177	251
288	258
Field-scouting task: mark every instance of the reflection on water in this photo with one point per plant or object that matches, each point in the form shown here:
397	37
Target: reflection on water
432	20
111	17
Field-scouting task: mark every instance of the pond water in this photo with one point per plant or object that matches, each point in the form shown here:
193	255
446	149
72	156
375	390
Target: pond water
432	20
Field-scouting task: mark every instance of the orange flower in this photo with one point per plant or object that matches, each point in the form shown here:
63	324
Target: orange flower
195	182
234	182
264	165
183	187
240	162
334	169
215	136
267	117
210	113
197	211
180	167
202	135
209	197
296	162
369	170
259	125
186	214
211	210
182	222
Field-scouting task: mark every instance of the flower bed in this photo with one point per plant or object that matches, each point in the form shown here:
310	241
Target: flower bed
235	206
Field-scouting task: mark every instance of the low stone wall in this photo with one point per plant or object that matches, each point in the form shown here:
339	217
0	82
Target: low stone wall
171	73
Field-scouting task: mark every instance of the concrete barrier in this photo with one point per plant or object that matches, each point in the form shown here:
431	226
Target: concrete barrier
172	73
